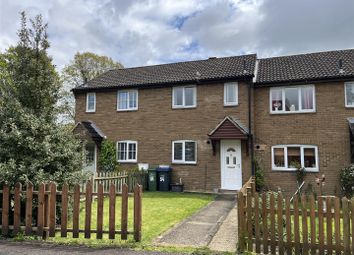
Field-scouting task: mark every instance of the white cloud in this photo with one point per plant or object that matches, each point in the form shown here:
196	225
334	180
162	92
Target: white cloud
157	31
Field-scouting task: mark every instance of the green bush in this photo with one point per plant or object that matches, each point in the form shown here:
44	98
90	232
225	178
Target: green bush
346	178
108	157
259	175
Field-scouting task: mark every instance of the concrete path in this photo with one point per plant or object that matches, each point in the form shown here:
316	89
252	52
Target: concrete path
199	229
226	237
26	248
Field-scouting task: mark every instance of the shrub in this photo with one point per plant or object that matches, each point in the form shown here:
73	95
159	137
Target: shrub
259	175
346	178
108	159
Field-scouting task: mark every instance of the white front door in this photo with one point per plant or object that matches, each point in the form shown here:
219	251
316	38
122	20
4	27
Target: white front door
90	157
231	166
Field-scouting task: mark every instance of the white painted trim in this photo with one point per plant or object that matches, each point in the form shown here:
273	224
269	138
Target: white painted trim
183	161
286	163
351	83
129	108
87	102
225	94
127	151
183	97
223	144
299	99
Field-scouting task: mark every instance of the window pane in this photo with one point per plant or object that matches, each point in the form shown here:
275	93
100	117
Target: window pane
309	157
91	102
178	96
132	99
189	96
90	154
291	99
230	93
132	151
277	104
122	151
307	98
177	148
294	158
349	90
279	157
190	151
123	100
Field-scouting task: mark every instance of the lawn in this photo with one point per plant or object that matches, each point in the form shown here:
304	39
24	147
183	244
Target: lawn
161	211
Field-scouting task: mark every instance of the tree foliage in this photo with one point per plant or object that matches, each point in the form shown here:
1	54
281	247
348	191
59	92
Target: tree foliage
34	147
84	67
346	178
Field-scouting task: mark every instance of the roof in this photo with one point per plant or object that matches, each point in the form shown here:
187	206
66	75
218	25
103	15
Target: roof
306	67
229	127
238	67
94	132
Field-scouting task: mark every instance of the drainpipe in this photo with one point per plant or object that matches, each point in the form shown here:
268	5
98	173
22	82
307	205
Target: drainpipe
250	88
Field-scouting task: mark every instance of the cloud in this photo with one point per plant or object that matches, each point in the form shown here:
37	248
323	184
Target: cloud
159	31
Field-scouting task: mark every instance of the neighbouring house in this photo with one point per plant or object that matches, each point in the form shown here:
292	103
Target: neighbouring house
209	119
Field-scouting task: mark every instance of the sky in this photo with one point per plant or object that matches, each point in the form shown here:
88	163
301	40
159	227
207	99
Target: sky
147	32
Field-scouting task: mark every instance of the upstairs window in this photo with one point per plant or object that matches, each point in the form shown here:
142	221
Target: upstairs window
91	102
127	151
127	100
184	97
184	152
349	94
286	157
292	99
230	93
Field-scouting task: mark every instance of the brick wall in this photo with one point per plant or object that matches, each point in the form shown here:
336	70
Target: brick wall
155	125
327	128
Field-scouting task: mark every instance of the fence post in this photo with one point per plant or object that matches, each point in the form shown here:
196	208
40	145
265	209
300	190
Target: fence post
112	206
137	212
52	209
64	210
241	220
99	211
346	227
352	219
17	208
124	212
88	209
29	196
76	211
5	209
280	223
249	221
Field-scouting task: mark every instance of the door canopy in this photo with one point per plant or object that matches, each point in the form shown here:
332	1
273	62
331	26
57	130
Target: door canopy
229	128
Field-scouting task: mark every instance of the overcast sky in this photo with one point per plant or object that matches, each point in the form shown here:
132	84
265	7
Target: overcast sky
151	32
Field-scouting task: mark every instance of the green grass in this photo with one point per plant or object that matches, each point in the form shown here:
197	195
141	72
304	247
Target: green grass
161	211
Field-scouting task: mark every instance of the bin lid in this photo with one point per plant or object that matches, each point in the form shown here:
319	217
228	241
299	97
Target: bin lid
164	169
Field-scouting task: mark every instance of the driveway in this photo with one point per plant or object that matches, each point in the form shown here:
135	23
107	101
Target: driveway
26	248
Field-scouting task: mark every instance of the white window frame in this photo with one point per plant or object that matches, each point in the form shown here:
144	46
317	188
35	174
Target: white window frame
127	146
283	111
128	108
183	161
87	102
351	83
225	93
302	147
174	106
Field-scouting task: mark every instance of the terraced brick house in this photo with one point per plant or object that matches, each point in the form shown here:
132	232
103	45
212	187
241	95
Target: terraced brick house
210	119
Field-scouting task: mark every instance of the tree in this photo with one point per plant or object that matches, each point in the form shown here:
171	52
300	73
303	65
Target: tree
34	147
84	67
108	160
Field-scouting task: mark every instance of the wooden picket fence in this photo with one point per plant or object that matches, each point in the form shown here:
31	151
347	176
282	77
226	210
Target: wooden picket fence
41	218
270	224
118	179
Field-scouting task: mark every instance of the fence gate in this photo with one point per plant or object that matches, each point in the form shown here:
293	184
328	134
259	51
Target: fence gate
47	211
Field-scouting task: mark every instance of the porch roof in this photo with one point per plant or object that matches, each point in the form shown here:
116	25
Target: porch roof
91	129
229	128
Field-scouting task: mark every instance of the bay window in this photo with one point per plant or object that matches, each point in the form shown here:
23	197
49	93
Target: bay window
184	151
288	157
292	99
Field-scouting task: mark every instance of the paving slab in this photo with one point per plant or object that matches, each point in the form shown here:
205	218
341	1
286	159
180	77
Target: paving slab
225	238
199	229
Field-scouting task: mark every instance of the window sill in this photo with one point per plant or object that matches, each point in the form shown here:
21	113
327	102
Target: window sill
349	106
90	111
293	170
230	105
183	107
184	163
127	110
127	162
290	112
